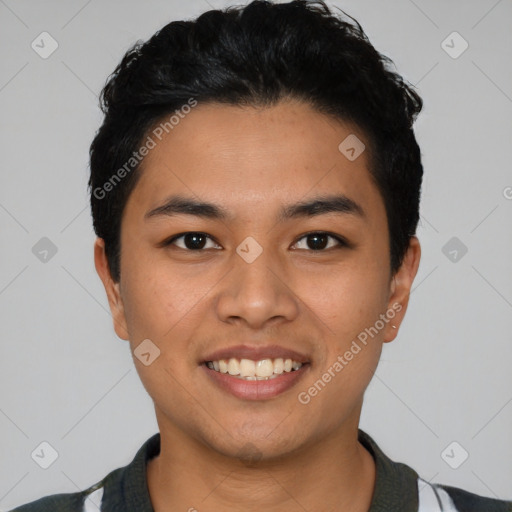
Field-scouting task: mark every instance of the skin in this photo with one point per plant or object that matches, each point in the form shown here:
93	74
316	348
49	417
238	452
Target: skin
252	162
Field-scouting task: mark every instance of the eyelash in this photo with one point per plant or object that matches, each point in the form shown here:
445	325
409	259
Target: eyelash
341	242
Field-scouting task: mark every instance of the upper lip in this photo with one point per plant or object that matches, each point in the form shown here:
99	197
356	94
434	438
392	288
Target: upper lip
256	353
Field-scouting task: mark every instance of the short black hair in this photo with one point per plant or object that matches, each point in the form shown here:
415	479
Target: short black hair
257	55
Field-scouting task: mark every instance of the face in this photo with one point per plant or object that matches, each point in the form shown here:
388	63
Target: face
277	249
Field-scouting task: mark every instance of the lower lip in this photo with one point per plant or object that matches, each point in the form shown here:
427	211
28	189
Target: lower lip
256	389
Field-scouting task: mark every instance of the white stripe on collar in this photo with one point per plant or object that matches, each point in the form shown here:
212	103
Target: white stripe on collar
93	501
433	499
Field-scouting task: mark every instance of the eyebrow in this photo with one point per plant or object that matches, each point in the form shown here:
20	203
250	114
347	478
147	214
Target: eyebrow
179	205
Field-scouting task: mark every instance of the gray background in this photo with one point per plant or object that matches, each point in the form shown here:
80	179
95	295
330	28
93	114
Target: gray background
68	380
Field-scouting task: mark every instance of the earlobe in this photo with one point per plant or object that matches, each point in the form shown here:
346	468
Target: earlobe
111	288
401	288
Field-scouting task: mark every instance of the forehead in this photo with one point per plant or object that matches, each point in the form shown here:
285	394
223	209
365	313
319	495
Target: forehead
247	156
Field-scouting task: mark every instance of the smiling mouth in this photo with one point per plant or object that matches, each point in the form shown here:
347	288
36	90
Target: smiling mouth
249	370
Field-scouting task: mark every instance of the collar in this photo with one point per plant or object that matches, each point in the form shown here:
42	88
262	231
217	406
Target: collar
395	483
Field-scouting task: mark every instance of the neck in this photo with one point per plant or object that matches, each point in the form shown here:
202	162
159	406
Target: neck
336	473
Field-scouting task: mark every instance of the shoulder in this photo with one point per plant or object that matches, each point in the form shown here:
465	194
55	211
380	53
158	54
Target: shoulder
54	503
439	497
122	485
83	501
468	502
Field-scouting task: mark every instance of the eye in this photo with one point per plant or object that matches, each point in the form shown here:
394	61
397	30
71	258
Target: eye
192	240
319	240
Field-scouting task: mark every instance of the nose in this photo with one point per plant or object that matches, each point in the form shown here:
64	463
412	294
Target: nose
257	293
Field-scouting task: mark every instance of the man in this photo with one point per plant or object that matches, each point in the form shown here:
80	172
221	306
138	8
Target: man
255	190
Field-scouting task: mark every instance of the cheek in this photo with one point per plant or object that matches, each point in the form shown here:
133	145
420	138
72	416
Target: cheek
167	305
162	308
349	302
346	298
348	305
156	297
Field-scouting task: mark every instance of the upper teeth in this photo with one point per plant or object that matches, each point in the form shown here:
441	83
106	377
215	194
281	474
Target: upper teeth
263	368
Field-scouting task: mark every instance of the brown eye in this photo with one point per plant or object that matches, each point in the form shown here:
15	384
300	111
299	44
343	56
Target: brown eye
192	241
319	240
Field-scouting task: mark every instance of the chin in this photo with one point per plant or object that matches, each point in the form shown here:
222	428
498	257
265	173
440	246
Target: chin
257	441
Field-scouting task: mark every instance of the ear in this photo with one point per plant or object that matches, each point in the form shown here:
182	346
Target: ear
401	285
112	288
